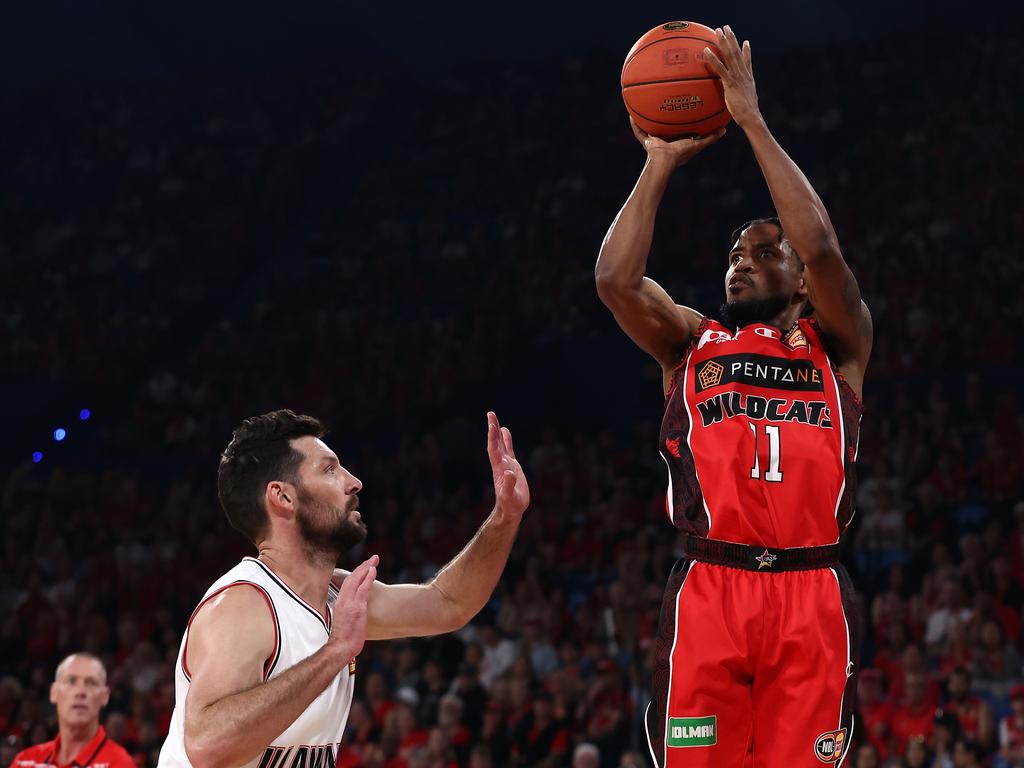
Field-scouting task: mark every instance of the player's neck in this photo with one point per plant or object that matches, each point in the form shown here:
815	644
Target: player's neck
73	739
785	319
307	576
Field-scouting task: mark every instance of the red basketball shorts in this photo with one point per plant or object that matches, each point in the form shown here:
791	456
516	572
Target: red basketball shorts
754	670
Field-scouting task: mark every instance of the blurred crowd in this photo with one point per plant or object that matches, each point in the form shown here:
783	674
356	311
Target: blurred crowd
394	258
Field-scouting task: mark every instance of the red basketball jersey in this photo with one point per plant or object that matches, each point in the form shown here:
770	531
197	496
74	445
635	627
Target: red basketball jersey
760	437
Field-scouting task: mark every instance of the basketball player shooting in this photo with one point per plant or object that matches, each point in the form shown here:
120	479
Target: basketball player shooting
757	652
266	669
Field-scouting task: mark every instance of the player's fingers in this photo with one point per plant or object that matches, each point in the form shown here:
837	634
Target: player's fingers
494	446
723	47
363	591
732	44
508	484
711	138
714	63
507	438
746	57
359	591
370	562
354	579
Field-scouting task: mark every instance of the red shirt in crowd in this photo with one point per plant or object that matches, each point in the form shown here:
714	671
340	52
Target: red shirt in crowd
876	720
968	713
101	752
906	722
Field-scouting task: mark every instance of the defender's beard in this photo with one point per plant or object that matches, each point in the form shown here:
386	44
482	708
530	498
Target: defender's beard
328	531
739	313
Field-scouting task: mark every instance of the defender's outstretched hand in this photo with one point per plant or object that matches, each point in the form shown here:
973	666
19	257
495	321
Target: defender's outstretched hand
737	74
678	152
350	609
511	491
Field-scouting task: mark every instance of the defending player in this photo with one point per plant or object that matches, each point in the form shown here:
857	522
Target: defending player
758	648
265	673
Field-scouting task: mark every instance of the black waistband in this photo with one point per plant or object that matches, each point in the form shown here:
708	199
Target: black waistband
766	559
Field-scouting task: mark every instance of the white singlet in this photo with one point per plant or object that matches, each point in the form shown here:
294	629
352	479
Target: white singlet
314	739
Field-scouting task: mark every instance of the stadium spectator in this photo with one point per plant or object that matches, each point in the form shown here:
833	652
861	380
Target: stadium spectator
875	711
586	755
913	718
79	691
1011	730
915	754
867	757
973	713
967	754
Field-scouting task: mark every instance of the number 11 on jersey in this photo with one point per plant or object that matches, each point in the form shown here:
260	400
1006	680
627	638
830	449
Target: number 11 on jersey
774	474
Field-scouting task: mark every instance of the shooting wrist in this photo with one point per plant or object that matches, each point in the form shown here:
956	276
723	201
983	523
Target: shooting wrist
754	125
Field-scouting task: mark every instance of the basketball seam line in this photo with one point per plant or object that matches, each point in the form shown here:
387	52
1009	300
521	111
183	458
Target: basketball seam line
671	80
688	122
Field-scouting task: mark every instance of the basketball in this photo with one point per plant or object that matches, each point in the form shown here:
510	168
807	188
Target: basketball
666	85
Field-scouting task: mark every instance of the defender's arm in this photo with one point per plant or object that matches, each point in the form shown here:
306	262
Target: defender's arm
460	589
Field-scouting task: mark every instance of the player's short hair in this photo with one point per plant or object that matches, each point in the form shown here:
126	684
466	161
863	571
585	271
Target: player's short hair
774	220
80	655
260	452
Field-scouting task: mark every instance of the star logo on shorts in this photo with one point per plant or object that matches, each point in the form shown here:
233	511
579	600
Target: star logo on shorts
766	560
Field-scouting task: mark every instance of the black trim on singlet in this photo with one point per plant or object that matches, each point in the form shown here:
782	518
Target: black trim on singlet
325	624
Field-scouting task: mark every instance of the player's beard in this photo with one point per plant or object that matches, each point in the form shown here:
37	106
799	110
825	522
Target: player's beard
326	530
736	314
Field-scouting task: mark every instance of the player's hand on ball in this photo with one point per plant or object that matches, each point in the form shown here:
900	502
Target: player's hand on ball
737	74
348	626
678	152
511	491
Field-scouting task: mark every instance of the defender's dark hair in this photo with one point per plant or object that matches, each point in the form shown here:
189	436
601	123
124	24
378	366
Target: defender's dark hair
808	309
260	451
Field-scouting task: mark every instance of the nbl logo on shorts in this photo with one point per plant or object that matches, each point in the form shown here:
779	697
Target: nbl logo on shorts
830	745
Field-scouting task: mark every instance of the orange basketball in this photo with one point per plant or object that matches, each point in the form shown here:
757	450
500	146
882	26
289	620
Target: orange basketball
667	87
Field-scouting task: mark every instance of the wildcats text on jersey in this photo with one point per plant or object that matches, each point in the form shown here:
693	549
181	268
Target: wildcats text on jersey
731	404
320	756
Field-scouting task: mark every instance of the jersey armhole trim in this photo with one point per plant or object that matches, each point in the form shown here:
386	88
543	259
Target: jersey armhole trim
843	383
694	340
271	662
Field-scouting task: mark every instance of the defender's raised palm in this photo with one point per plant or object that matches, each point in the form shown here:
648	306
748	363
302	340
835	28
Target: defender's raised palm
511	491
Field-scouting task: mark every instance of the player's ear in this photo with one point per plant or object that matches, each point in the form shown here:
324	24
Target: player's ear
280	498
105	699
53	692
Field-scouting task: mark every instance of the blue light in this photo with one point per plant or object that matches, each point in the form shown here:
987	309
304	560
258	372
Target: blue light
84	414
37	456
59	434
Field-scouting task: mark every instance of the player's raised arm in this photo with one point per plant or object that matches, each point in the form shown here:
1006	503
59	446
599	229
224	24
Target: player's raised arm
642	307
831	286
231	714
460	589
